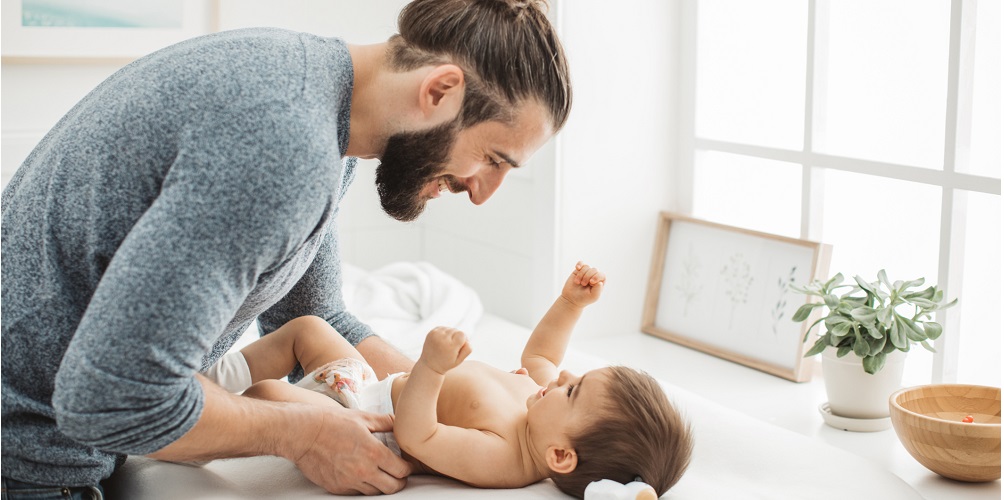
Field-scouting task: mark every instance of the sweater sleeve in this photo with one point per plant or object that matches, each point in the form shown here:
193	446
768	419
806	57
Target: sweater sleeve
234	203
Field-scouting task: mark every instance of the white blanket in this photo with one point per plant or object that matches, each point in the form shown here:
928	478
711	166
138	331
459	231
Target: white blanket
404	300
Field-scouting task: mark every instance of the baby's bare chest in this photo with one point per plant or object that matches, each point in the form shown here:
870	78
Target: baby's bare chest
479	396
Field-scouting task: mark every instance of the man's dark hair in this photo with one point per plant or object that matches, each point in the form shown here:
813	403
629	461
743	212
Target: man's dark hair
507	49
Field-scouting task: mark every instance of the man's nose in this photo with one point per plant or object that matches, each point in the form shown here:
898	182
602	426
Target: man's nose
484	187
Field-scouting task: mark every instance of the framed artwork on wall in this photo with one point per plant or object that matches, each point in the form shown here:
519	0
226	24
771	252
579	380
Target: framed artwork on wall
46	30
727	291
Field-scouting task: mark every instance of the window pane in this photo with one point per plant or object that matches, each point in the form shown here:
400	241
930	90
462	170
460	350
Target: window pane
980	349
985	155
886	81
876	223
758	194
751	71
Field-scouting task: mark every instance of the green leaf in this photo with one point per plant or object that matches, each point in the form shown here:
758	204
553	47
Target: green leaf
884	279
818	347
912	331
928	346
804	311
897	336
876	344
874	363
911	284
884	316
946	306
923	303
873	331
840	329
834	281
843	350
831	301
861	347
927	293
867	287
865	315
932	330
808	330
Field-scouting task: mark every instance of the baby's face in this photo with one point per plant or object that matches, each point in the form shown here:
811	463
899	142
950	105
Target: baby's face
565	405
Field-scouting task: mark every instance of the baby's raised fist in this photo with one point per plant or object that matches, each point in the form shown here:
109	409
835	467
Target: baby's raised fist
584	285
444	349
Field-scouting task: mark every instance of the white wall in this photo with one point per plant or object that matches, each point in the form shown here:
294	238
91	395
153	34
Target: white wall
592	193
616	155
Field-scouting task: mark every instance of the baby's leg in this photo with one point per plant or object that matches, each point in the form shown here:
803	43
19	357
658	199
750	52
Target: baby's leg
277	390
309	340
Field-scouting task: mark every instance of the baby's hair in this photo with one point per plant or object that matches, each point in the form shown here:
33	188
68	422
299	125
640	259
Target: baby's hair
638	434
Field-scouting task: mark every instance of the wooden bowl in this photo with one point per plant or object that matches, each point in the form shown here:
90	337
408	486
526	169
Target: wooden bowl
929	422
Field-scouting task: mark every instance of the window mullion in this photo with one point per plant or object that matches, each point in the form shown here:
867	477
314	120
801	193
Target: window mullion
686	107
813	176
958	120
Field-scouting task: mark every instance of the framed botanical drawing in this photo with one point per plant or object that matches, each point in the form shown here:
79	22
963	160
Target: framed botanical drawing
78	30
727	291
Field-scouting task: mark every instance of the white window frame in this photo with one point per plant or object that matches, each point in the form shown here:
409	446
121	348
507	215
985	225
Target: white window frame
952	179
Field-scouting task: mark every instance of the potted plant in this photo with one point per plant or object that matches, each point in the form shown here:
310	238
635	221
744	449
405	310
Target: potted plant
878	322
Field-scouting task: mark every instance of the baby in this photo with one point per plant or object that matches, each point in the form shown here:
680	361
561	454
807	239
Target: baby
484	426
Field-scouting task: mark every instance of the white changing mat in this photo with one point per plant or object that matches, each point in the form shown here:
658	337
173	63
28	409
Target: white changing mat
735	456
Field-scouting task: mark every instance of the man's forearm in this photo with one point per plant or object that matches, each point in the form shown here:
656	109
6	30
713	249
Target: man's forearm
234	426
383	358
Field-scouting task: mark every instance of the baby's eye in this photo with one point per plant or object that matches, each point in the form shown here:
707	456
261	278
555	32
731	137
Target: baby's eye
492	161
570	387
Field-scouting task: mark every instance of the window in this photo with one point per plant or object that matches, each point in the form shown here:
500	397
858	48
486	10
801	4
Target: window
871	125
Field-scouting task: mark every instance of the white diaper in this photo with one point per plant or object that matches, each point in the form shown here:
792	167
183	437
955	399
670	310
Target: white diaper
376	398
353	384
341	380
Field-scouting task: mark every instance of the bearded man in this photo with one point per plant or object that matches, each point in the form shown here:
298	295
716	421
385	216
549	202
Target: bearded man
196	191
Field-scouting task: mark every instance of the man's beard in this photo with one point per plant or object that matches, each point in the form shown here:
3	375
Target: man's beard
410	161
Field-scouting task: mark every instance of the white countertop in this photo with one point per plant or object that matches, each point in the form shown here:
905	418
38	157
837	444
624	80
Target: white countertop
786	404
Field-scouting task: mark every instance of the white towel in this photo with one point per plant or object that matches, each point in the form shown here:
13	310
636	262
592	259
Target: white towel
402	301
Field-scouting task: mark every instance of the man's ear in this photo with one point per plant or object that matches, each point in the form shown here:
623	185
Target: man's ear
561	460
442	93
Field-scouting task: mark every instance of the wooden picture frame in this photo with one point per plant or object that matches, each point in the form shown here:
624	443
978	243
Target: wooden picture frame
83	35
726	291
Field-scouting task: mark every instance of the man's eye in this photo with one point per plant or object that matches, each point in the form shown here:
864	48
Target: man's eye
570	390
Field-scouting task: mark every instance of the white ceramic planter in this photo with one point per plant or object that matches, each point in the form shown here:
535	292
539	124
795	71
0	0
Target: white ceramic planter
852	392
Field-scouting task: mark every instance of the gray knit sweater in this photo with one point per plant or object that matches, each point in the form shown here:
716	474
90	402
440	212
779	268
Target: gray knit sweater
193	191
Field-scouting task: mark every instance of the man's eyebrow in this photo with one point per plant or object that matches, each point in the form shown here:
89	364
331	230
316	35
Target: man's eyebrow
507	159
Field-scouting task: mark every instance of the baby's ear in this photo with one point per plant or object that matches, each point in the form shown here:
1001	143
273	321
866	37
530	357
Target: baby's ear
562	460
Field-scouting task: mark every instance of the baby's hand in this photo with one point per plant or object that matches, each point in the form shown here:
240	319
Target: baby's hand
584	286
444	349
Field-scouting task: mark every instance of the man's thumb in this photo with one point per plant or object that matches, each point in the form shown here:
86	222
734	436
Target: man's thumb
379	423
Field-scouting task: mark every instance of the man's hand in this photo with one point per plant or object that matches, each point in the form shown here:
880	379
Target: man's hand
444	349
345	457
584	285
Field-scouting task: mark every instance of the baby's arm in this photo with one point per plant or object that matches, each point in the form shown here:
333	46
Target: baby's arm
469	455
546	347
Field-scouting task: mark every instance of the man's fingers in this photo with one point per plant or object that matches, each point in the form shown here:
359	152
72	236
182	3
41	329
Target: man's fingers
394	466
376	422
387	484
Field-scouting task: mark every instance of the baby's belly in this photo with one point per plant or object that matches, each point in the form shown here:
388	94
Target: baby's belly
475	395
